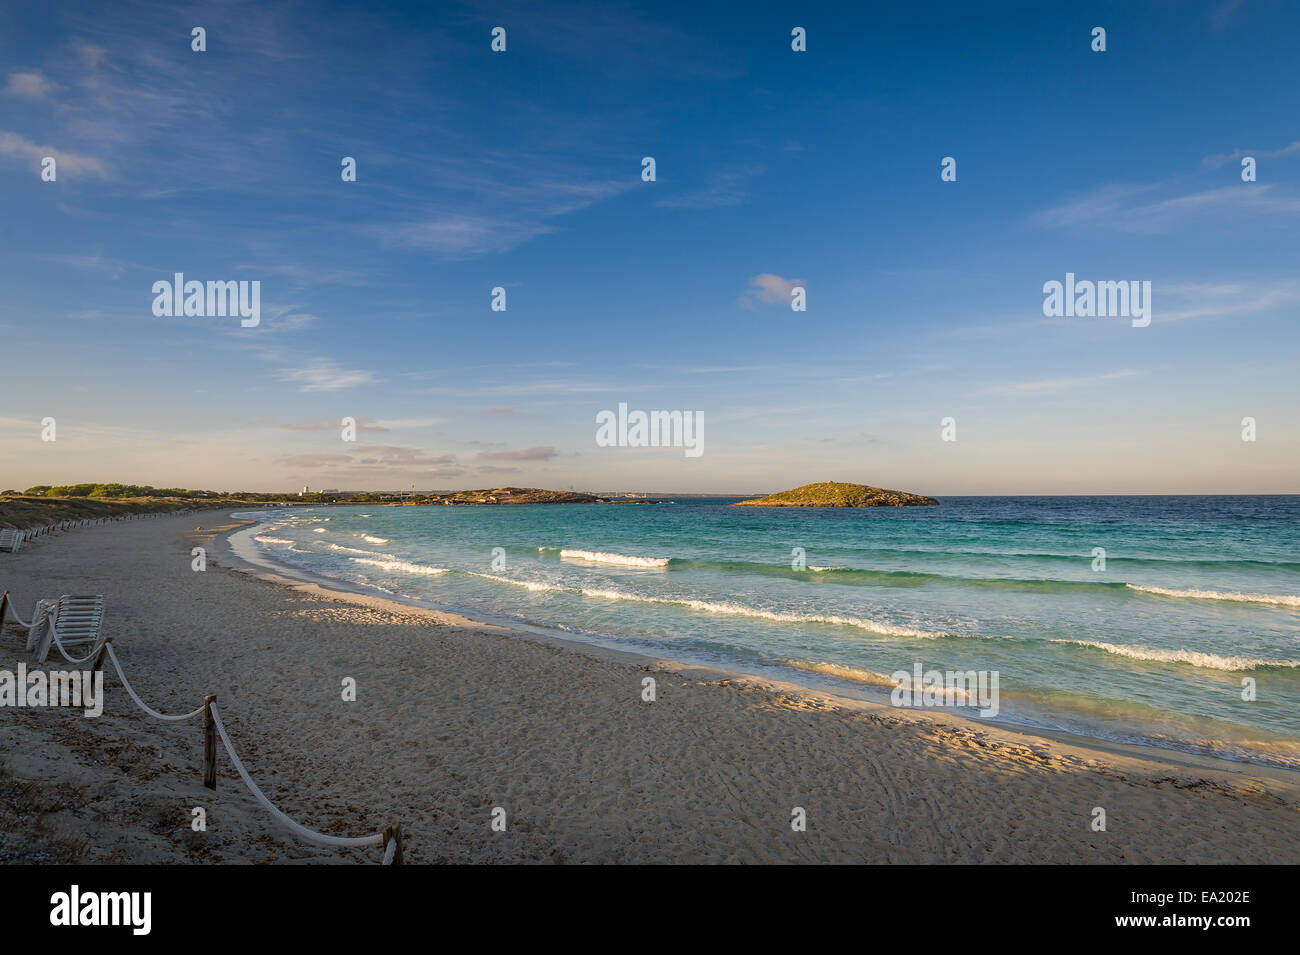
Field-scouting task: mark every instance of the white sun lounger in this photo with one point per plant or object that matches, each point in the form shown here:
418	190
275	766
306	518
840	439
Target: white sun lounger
74	620
40	616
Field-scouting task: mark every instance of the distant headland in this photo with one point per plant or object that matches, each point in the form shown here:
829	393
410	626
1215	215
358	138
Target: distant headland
43	504
46	504
837	494
519	495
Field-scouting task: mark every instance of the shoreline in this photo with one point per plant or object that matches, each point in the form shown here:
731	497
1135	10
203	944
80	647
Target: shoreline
455	717
247	559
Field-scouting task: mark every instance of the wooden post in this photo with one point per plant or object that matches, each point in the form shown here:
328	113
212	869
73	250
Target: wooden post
209	744
4	605
393	833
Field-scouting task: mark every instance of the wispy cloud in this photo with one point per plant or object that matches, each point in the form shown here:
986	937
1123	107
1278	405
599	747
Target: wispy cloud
518	214
1055	386
392	455
300	276
461	235
1224	12
16	146
405	424
372	459
727	188
331	424
1224	299
527	454
1121	209
278	319
32	85
548	387
325	374
1238	154
314	460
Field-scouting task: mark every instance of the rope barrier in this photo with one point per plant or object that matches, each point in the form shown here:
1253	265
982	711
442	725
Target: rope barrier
7	610
54	632
31	533
390	838
117	665
301	830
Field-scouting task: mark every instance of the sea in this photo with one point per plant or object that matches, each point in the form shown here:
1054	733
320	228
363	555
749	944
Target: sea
1168	621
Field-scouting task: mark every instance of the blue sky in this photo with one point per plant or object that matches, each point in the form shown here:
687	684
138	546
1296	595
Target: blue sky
522	170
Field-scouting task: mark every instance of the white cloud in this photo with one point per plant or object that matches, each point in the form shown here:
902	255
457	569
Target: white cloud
1224	299
729	188
29	85
520	206
1118	208
527	454
461	234
324	374
19	147
1238	154
1055	386
769	289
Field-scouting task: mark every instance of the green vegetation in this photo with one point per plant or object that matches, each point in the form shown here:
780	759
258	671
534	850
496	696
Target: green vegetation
138	491
46	504
495	495
836	494
511	495
43	504
21	511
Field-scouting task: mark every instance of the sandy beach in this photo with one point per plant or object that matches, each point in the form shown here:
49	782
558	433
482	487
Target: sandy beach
454	718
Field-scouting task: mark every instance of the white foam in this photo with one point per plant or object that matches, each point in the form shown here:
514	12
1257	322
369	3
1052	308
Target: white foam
374	540
272	540
624	560
1208	661
1281	600
357	550
724	607
855	674
527	584
741	610
402	565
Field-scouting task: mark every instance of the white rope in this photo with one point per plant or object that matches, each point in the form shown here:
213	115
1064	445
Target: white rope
139	702
54	632
303	831
11	612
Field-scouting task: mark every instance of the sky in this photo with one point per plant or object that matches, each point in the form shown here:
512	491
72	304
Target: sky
774	169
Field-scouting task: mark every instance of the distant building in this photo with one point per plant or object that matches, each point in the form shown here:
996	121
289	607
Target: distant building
305	490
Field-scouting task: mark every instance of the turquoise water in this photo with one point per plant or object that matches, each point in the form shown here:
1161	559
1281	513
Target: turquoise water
1197	594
